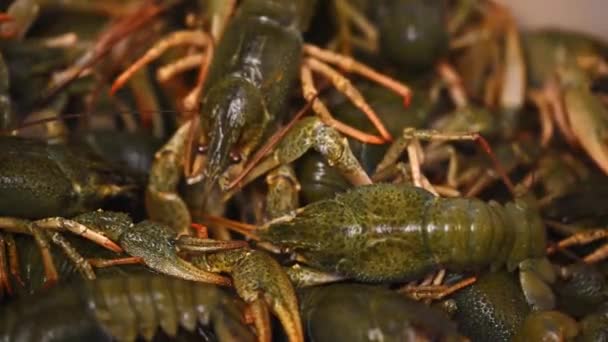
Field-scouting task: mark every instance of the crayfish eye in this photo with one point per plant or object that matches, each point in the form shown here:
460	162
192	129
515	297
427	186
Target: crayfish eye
235	157
202	149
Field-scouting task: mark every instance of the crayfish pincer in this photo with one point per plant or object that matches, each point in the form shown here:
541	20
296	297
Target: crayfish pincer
395	233
155	245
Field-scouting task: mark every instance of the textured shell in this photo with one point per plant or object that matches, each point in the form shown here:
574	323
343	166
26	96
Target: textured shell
356	312
492	309
384	232
123	308
39	180
250	79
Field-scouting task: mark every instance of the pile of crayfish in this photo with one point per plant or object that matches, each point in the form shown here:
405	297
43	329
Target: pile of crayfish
344	170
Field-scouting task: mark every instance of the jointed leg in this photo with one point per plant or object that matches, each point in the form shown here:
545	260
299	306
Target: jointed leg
81	263
350	65
51	275
198	38
5	283
101	263
60	223
192	99
398	173
283	191
13	258
310	93
415	155
21	226
344	86
168	71
163	204
409	134
261	319
580	238
553	94
348	14
544	111
454	85
598	255
435	292
309	133
193	244
583	238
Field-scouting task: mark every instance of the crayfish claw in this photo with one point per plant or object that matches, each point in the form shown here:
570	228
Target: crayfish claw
193	244
259	280
261	319
154	243
180	268
303	276
260	277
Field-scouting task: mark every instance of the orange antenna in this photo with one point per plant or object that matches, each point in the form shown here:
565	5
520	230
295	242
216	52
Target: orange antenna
497	165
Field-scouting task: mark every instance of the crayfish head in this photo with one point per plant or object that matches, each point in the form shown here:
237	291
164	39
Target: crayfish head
234	121
306	231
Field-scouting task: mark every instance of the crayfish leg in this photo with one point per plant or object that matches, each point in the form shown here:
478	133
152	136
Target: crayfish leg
193	244
5	283
50	272
13	259
583	238
311	94
544	111
260	316
259	280
435	291
587	116
102	263
166	72
283	189
163	204
79	261
598	255
350	65
580	238
349	14
192	99
78	229
302	276
453	83
308	133
198	38
344	86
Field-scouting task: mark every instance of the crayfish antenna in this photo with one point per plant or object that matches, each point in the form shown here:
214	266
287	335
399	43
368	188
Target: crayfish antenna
497	165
